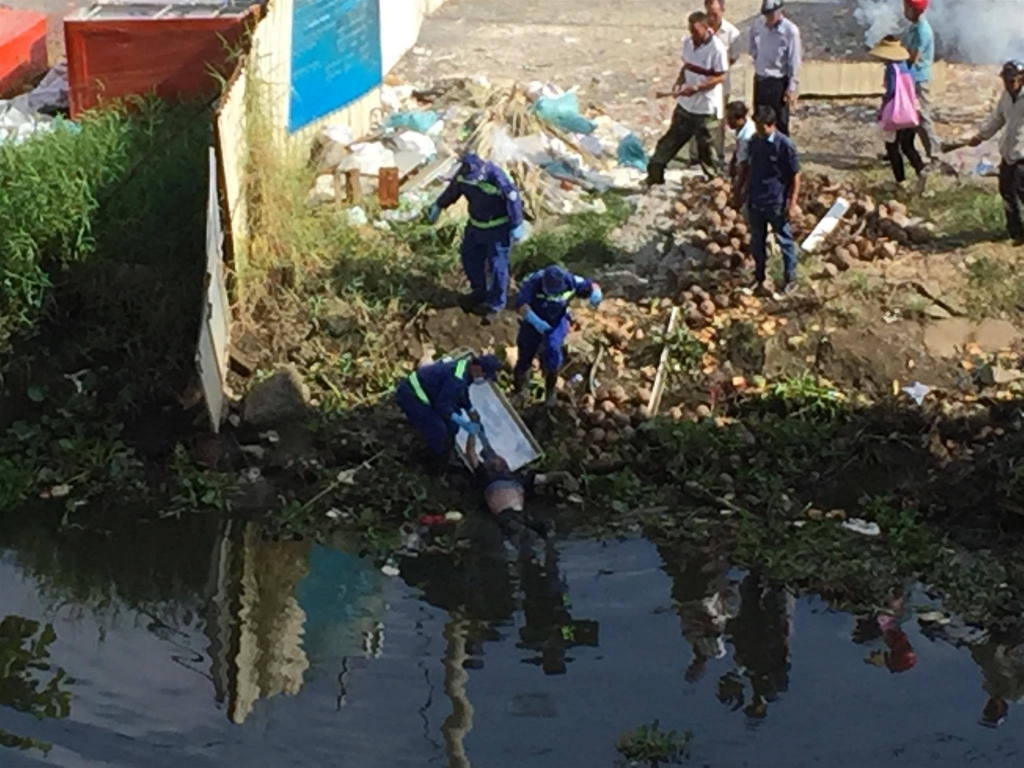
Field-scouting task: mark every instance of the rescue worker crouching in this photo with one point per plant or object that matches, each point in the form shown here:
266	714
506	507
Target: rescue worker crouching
495	224
434	396
543	303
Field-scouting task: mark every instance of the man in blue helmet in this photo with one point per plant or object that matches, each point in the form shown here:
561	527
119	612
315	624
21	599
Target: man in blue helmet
434	397
543	303
495	223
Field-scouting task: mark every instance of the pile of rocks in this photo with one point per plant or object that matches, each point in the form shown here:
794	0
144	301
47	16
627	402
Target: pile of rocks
869	231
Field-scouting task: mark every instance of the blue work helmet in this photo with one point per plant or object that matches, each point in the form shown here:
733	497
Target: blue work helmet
554	278
472	165
490	364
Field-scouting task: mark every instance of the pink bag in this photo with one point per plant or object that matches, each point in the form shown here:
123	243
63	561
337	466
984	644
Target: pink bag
901	110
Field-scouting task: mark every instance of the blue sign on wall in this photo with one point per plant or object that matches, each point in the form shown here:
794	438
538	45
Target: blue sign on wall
336	56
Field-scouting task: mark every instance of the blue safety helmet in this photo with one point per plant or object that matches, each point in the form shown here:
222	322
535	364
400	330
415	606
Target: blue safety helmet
472	166
554	278
490	364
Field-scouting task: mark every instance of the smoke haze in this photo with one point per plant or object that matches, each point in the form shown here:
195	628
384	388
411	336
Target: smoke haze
977	31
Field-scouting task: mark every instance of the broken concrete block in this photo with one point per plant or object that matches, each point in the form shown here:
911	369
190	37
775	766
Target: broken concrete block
284	397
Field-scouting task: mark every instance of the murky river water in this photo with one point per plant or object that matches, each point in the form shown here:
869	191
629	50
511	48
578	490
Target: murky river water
215	648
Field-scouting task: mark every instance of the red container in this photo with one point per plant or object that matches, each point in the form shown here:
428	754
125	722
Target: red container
22	46
122	50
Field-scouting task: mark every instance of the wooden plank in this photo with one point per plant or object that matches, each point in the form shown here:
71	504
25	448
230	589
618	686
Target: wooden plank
659	379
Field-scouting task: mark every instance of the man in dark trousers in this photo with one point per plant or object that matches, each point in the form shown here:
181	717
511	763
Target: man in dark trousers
770	184
699	97
777	51
1009	114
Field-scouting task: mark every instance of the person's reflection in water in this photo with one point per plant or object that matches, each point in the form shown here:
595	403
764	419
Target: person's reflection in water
700	588
760	638
550	628
1002	665
899	655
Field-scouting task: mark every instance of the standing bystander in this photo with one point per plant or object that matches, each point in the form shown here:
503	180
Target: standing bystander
899	96
777	51
730	36
743	128
920	43
699	94
771	188
1009	114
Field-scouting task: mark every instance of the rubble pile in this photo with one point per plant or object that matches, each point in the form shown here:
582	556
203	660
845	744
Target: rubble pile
560	159
870	231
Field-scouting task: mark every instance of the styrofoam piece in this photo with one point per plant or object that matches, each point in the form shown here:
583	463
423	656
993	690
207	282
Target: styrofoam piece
503	429
826	225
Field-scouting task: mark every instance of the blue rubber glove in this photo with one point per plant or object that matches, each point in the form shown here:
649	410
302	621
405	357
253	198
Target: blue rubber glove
520	233
464	423
434	214
539	324
596	296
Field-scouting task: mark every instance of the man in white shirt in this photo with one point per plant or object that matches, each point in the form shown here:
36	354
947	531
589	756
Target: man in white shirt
1009	114
699	100
730	37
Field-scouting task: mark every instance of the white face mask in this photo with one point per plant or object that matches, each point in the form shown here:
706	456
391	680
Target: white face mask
480	380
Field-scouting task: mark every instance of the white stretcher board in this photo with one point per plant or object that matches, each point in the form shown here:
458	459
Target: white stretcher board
503	428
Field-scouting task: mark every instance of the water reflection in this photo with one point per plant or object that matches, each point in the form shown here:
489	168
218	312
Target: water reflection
26	684
320	646
759	634
1002	666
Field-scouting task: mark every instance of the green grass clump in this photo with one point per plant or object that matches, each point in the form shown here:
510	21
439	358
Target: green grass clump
648	744
580	242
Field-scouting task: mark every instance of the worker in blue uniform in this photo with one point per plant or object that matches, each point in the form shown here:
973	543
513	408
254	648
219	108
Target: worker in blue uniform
434	396
495	224
543	303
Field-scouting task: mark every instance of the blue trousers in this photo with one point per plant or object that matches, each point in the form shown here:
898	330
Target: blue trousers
485	262
436	430
760	219
549	345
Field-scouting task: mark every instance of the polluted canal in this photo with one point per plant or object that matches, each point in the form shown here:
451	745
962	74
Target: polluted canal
210	645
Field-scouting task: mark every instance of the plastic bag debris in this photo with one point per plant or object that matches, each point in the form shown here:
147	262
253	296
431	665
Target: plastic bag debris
563	112
863	527
631	153
917	391
411	141
52	92
19	122
368	158
323	190
340	134
356	217
421	121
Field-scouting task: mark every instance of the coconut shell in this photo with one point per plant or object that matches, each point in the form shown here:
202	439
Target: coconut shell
714	249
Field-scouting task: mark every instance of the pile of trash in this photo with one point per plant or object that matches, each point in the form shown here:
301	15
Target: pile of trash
560	159
37	111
